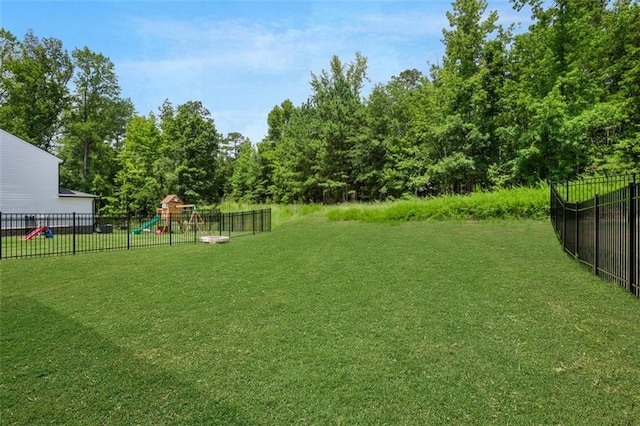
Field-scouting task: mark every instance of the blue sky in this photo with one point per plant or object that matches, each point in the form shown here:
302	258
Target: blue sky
240	58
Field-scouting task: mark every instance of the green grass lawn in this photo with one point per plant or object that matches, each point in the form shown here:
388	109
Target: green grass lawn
322	323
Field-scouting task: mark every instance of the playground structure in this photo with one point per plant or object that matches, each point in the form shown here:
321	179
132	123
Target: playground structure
195	222
169	212
173	211
39	230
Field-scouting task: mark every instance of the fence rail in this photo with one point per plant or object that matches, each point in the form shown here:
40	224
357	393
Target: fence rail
601	231
52	234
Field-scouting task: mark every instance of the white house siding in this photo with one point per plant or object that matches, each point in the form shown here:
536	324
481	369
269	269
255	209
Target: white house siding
29	180
75	205
28	177
29	192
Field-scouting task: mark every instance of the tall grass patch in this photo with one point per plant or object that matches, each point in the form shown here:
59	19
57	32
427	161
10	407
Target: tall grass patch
518	203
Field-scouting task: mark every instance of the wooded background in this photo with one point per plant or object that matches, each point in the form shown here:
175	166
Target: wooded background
559	100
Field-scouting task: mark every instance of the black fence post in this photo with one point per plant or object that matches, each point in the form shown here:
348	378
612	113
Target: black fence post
170	218
577	246
552	209
74	232
555	205
632	236
596	232
253	218
128	230
564	225
268	217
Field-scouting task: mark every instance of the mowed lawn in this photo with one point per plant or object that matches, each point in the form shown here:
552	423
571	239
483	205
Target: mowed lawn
322	323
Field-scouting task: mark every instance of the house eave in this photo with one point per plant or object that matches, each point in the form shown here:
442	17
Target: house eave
68	193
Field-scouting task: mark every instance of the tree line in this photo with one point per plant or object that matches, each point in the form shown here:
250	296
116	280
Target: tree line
559	100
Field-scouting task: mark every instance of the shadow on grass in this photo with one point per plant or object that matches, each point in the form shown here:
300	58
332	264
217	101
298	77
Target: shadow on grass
55	370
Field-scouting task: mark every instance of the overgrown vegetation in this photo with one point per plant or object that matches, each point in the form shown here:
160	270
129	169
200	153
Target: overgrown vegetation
520	203
511	203
557	100
321	323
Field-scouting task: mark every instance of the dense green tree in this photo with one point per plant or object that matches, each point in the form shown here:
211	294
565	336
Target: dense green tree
264	182
388	158
278	122
370	155
9	54
620	128
313	145
227	158
246	174
34	87
294	166
190	149
462	144
565	112
338	105
94	125
139	190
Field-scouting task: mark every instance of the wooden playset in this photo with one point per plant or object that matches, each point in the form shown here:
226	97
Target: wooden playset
185	217
195	221
173	209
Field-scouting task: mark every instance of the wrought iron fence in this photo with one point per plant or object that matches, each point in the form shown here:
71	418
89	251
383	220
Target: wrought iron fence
51	234
601	231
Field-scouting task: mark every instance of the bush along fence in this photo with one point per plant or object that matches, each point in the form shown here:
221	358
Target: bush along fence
50	234
601	231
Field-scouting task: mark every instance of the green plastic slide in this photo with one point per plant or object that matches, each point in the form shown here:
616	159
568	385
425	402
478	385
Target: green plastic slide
152	222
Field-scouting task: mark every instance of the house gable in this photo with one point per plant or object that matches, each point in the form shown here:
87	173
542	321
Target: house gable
29	179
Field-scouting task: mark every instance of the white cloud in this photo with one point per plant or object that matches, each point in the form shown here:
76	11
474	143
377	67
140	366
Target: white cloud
241	68
234	45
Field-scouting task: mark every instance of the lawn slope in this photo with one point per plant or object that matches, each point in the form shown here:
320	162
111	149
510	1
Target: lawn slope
322	323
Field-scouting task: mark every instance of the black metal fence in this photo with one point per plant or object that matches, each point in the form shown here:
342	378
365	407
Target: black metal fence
50	234
601	231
